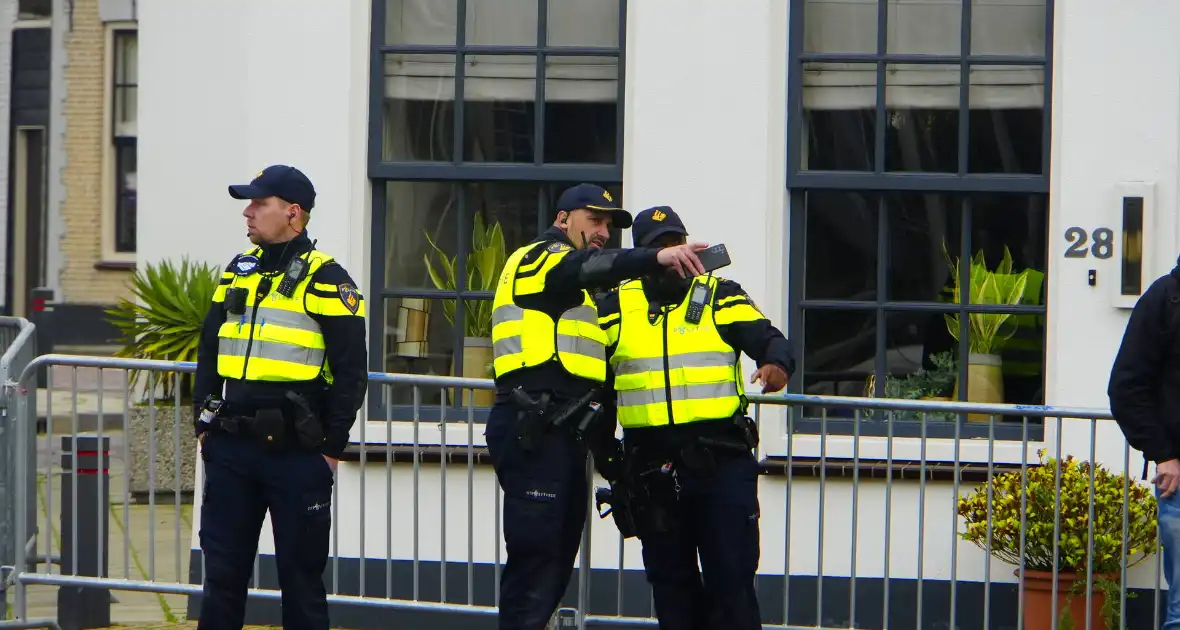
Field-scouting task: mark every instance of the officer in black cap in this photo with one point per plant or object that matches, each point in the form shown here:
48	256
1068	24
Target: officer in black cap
549	360
281	374
704	500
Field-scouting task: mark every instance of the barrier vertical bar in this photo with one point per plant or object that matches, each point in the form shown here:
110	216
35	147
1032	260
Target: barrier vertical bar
83	481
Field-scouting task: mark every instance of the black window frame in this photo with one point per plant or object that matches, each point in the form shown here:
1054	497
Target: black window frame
460	171
879	180
123	239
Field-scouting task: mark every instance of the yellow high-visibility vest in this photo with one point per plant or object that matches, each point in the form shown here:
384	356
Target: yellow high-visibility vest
671	371
524	338
275	339
1023	354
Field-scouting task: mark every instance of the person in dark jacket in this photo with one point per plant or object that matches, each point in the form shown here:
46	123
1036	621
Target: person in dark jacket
1144	393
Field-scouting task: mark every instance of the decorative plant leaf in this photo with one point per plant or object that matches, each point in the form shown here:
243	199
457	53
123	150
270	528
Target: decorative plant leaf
165	320
485	261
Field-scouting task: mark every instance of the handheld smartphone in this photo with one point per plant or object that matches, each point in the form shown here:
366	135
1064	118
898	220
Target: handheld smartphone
714	257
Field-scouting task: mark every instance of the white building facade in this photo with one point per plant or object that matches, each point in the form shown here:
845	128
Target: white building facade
836	147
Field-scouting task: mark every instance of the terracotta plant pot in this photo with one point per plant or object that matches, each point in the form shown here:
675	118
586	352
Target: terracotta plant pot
1039	607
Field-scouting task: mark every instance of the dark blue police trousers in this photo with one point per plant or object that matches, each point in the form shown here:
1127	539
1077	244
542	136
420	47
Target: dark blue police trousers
242	481
715	517
545	496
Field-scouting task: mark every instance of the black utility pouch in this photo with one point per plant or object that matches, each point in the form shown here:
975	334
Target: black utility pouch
235	300
270	428
308	427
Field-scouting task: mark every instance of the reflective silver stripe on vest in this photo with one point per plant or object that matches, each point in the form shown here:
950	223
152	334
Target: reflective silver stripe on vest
287	319
582	346
675	361
272	350
679	392
565	343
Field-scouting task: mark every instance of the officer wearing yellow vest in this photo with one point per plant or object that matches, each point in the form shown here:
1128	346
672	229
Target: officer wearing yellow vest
549	358
281	374
686	437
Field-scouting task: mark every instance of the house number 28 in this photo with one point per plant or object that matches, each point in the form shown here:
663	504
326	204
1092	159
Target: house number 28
1103	246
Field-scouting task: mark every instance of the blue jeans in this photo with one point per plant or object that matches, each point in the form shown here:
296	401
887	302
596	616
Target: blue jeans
1169	524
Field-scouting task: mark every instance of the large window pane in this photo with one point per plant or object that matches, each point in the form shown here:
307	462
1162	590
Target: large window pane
840	116
419	108
924	27
499	217
501	22
498	116
418	339
998	27
583	23
922	106
924	229
1008	27
34	9
418	214
421	22
126	82
501	117
581	109
841	246
839	350
126	185
1007	129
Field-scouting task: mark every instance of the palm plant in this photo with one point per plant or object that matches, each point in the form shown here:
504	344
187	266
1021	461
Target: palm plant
485	260
165	319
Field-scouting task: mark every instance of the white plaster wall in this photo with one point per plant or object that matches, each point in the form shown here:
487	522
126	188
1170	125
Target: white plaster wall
1115	120
287	83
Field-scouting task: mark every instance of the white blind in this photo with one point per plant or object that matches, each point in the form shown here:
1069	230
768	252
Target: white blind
502	77
998	27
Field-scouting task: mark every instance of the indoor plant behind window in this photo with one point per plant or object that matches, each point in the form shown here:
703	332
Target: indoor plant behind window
163	323
485	260
987	332
1039	492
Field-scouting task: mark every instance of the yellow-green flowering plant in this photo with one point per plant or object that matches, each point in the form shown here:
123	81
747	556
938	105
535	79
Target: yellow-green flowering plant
1114	496
1040	491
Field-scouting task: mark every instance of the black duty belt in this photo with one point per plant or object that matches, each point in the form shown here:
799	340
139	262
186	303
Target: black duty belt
538	416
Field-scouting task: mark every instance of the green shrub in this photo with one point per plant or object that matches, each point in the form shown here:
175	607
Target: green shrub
165	320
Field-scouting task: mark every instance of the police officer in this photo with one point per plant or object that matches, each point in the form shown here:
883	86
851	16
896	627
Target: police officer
285	337
674	351
549	353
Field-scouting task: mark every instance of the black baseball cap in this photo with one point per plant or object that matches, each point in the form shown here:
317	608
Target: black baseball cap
656	222
285	182
595	198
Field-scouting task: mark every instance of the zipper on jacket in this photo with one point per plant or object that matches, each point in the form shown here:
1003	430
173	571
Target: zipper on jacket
259	295
667	373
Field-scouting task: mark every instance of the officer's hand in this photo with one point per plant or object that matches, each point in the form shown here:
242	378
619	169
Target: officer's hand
773	378
683	258
331	462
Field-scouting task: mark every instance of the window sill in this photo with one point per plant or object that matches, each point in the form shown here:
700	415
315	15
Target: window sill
799	467
115	265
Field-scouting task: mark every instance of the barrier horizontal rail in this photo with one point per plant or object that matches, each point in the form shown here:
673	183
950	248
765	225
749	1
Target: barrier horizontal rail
400	547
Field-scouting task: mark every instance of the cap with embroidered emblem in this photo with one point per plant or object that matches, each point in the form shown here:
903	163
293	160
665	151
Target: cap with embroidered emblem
282	181
656	222
596	199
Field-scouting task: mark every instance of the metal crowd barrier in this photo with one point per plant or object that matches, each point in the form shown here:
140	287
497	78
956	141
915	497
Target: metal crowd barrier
96	534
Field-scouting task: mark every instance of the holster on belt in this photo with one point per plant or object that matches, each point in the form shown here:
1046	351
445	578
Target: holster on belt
537	417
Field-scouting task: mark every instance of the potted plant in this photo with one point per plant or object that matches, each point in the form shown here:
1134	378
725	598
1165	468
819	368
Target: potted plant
163	323
485	260
987	332
922	384
1042	500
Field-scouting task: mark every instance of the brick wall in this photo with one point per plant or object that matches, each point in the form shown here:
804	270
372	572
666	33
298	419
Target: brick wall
85	147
